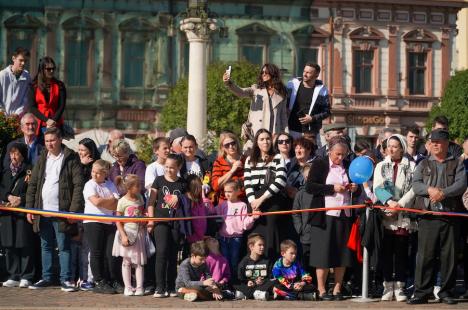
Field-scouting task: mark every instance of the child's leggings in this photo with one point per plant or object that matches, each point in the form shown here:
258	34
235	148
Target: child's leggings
127	274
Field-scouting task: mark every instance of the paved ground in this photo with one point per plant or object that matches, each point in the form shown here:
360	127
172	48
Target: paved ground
50	299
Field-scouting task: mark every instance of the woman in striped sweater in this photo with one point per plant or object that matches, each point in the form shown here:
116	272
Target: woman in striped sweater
264	179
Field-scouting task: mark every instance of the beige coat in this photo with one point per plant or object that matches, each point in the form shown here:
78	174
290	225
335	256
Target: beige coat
261	115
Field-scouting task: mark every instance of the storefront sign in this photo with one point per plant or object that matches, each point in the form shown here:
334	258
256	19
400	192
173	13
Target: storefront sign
365	120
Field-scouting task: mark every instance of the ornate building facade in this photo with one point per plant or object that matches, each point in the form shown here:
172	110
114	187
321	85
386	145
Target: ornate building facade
385	61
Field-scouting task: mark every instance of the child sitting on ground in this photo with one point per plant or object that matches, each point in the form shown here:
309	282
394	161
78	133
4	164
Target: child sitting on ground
217	264
291	281
194	280
253	272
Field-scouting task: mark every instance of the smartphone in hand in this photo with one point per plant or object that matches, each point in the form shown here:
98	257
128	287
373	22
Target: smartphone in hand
228	71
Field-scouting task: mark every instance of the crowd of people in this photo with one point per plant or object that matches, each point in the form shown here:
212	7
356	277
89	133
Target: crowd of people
241	252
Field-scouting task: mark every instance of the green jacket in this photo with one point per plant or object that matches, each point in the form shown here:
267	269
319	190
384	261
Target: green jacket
71	185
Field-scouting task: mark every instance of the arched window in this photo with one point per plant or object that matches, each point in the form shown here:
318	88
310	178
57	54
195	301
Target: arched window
79	51
136	35
365	49
22	32
254	41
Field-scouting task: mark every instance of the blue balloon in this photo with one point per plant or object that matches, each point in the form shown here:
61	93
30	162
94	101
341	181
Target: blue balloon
360	170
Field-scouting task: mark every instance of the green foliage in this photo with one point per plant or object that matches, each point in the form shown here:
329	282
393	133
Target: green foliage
454	105
225	110
144	148
9	128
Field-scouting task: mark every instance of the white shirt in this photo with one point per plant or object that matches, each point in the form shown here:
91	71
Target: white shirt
14	92
152	171
102	190
50	189
193	167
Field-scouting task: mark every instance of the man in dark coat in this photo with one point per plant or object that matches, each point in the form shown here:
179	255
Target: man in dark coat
56	185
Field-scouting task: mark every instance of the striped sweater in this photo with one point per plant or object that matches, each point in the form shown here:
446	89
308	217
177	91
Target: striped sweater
255	177
220	167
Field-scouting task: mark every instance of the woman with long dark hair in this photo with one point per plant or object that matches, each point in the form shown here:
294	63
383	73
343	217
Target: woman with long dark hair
48	96
268	108
264	179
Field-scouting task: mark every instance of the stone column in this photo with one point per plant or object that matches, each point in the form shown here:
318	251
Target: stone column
197	31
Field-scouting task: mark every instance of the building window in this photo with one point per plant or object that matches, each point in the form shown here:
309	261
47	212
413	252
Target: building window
363	71
253	54
305	55
134	62
417	72
184	57
77	55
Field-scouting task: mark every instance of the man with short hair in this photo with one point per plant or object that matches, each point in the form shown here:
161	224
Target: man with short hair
35	144
412	139
442	122
309	102
56	185
105	149
15	84
439	182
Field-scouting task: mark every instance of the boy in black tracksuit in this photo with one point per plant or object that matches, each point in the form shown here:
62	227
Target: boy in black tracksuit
254	272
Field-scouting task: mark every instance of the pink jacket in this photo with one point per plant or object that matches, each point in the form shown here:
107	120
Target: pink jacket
198	225
235	225
219	267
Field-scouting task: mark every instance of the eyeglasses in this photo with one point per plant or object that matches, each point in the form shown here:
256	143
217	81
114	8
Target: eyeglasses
286	141
49	69
230	144
265	72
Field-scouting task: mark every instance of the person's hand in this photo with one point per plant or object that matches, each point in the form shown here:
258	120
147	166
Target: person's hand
435	194
298	286
236	165
353	187
173	201
30	218
306	119
256	204
338	188
50	123
209	282
226	77
86	159
14	201
150	227
217	296
250	283
259	281
124	240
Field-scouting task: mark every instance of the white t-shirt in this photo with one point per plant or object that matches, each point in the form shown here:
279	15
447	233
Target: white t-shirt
193	167
103	190
152	171
50	189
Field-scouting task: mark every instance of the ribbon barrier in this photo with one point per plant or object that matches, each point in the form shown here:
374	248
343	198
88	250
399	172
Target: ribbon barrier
123	219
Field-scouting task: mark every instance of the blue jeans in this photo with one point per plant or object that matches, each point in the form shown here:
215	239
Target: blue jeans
230	248
49	232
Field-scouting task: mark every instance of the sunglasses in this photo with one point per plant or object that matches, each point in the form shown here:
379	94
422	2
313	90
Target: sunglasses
265	72
284	141
49	69
230	144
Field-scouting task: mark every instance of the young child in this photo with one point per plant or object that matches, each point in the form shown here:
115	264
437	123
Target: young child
254	271
234	226
291	281
168	190
129	241
195	229
194	280
217	263
101	198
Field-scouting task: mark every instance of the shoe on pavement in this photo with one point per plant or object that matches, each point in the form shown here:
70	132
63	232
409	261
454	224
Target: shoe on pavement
387	294
261	295
417	301
240	296
87	286
68	286
436	292
40	285
159	294
11	283
399	291
102	287
24	283
190	296
448	300
139	292
119	289
171	293
128	291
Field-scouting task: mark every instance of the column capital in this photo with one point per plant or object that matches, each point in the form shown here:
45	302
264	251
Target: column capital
198	29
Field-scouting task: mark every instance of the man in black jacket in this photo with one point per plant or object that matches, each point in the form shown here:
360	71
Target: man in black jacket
56	185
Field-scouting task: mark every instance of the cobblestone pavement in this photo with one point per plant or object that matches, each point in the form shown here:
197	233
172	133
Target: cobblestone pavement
53	298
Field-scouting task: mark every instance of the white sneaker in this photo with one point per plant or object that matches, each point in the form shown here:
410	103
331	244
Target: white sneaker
190	296
387	294
24	283
128	292
139	292
399	291
261	295
240	296
436	292
11	283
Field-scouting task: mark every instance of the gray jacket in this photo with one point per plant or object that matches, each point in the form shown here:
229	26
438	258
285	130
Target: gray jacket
302	201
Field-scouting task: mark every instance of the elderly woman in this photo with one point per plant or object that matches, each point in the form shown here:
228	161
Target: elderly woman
16	234
228	166
126	163
330	185
303	150
392	187
264	179
268	108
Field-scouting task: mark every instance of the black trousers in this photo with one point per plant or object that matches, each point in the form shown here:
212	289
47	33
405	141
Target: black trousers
437	237
20	263
100	239
167	247
248	291
394	256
